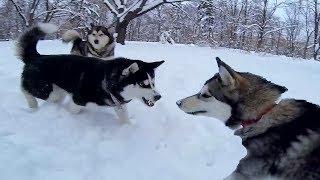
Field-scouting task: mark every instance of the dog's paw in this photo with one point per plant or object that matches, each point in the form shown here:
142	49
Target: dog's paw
33	103
124	120
32	109
74	108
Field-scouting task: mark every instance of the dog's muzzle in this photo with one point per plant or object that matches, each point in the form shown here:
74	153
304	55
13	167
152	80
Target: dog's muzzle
179	103
150	103
157	97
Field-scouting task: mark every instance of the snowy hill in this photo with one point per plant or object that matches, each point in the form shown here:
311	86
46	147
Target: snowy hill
161	143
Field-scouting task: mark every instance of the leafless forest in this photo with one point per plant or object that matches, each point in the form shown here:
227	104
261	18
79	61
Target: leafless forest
289	28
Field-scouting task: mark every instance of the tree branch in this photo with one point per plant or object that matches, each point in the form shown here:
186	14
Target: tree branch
19	10
150	6
111	7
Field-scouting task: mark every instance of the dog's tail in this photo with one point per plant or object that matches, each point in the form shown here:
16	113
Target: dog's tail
71	36
27	43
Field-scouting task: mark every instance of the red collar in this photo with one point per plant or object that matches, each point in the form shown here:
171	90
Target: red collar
249	122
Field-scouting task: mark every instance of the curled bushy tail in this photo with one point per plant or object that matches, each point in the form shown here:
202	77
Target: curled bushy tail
27	43
70	35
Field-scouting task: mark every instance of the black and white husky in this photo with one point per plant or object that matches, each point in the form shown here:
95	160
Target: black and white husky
99	43
282	139
86	79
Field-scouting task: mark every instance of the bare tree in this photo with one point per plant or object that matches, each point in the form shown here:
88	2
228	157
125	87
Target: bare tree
316	41
244	24
265	21
35	11
293	27
308	25
125	11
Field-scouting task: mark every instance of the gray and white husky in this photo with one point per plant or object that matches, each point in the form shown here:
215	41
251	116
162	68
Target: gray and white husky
282	139
87	79
99	43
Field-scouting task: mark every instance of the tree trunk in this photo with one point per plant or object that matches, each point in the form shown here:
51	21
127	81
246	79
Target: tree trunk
262	25
316	29
305	49
121	29
278	42
260	40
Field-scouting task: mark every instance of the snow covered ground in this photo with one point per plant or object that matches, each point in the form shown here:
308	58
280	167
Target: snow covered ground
161	143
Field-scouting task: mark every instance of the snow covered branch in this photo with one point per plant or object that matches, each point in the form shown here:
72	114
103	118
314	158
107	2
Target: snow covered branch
154	4
111	7
55	10
121	8
19	10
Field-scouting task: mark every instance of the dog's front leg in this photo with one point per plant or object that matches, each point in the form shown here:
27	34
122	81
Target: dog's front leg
122	113
73	107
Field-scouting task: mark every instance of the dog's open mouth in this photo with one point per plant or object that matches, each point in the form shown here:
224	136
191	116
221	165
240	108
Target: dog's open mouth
147	102
196	112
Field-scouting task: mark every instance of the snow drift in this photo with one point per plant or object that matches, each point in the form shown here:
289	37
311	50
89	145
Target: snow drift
160	143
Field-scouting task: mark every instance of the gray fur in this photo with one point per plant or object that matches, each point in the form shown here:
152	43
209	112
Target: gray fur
88	47
283	142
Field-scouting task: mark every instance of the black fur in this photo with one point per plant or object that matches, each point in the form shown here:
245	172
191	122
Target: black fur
27	44
80	76
272	145
80	46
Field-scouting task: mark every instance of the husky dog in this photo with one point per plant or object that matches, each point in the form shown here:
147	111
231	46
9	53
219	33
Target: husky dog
86	79
282	139
100	43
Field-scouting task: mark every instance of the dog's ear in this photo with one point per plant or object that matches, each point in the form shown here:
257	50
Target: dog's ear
227	74
131	69
156	64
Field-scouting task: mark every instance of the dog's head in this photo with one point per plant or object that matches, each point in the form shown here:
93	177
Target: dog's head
232	97
139	80
99	36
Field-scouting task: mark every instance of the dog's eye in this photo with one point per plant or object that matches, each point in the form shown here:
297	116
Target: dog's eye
205	95
94	34
101	35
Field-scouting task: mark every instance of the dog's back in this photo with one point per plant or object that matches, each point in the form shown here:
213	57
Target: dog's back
285	144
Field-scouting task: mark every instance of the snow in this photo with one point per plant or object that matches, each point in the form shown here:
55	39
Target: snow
161	143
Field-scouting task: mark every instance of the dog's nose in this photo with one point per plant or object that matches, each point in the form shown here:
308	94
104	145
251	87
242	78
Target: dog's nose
179	103
96	41
157	97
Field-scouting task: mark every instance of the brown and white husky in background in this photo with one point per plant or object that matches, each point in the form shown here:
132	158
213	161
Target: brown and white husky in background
99	43
282	139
